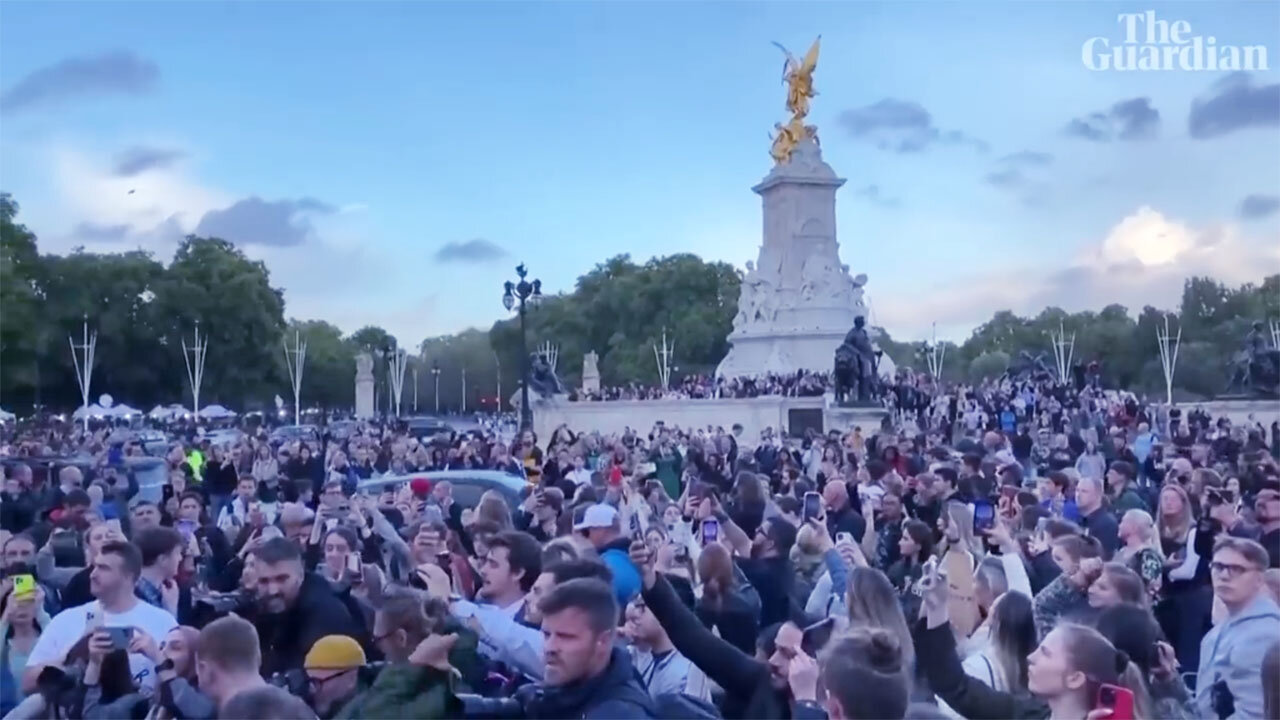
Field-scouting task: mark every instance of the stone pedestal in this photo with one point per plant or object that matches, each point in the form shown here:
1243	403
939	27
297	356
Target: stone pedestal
844	419
364	386
798	300
590	373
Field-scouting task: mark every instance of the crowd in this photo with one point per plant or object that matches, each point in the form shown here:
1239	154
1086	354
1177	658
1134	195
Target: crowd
1010	550
802	383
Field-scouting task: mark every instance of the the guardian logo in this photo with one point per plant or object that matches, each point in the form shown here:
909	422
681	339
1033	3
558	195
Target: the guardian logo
1150	43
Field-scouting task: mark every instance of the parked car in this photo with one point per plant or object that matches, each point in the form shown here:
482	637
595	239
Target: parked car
151	473
341	429
468	485
290	433
426	428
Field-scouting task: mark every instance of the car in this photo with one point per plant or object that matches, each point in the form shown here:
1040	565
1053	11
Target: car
290	433
427	427
152	473
468	485
342	429
225	436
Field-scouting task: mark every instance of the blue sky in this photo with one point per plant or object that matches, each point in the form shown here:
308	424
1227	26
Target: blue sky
349	144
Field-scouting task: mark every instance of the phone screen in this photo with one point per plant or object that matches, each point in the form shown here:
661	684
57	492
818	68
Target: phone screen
119	637
812	506
984	516
710	531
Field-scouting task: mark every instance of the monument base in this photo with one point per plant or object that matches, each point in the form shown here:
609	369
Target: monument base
1240	410
847	417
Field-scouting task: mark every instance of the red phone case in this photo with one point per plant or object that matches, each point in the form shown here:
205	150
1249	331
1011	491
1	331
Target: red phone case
1122	701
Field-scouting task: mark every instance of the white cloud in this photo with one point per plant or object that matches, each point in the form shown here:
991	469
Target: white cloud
1143	260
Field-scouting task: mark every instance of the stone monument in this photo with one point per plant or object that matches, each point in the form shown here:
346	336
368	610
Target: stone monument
364	385
590	373
797	300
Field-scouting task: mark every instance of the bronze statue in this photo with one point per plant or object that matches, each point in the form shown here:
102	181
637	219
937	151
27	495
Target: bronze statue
798	75
542	379
855	366
1256	366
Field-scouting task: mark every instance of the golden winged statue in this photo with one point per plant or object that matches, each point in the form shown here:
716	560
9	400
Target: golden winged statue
798	75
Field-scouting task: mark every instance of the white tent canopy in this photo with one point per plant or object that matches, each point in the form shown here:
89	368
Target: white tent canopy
124	411
215	412
169	412
94	410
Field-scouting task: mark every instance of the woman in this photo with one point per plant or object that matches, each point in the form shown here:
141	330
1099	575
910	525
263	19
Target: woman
1068	667
960	555
746	508
1116	585
1002	663
1091	463
265	466
1141	550
213	545
729	603
220	477
915	547
20	625
873	603
330	556
1186	603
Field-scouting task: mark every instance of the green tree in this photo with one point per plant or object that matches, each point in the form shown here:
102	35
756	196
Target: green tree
20	298
328	377
988	365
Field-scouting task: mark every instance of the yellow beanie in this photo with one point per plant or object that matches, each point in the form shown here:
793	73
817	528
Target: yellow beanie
334	652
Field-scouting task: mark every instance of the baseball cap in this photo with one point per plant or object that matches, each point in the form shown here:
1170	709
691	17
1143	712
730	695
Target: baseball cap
599	515
334	652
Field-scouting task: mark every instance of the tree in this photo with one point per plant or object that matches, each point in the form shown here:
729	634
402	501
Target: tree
328	379
988	365
20	347
211	280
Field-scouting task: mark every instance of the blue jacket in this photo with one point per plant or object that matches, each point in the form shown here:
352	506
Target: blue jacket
1233	651
626	578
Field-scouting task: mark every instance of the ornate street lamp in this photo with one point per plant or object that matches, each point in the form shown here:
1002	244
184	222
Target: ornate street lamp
523	293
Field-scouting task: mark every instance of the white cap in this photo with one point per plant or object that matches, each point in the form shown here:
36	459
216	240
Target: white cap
597	516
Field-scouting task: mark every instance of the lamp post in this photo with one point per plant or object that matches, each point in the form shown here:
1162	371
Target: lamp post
523	293
435	372
464	389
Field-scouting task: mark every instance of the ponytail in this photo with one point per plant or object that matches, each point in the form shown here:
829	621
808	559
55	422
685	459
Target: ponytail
1130	678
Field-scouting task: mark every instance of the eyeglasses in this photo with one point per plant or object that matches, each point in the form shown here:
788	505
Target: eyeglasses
1230	570
317	683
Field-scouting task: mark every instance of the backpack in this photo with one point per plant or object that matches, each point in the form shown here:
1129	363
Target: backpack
678	706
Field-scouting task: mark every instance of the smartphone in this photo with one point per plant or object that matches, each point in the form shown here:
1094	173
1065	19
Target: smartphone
1116	699
812	506
24	586
120	637
844	537
984	516
355	569
185	528
710	531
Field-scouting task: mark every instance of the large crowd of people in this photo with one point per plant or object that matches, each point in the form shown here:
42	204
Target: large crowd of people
802	383
1018	549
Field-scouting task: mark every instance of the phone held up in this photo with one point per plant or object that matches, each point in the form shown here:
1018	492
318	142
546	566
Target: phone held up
710	531
812	506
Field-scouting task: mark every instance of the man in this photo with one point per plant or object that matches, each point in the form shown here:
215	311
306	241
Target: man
769	568
1143	443
580	476
20	503
228	659
267	702
297	608
661	667
841	517
1229	683
600	525
1053	496
115	573
509	569
1267	509
406	687
888	530
333	667
1121	477
586	675
144	516
1096	520
162	552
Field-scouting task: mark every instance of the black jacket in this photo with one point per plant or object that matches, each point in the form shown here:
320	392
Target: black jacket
745	680
286	637
969	697
615	693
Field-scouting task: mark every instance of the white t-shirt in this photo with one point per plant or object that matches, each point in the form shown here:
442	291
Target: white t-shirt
67	627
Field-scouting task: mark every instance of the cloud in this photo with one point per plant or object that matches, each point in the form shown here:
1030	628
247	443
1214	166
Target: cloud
119	72
902	126
1234	103
1133	119
874	195
1257	206
1017	173
93	232
254	221
1142	260
477	250
141	158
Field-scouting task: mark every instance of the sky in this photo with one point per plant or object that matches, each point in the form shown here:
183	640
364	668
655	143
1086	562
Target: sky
391	162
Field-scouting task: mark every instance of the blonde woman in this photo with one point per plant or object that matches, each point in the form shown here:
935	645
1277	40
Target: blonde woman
1141	551
1184	612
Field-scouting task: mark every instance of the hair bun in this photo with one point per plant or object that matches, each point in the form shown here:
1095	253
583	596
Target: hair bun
1122	661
